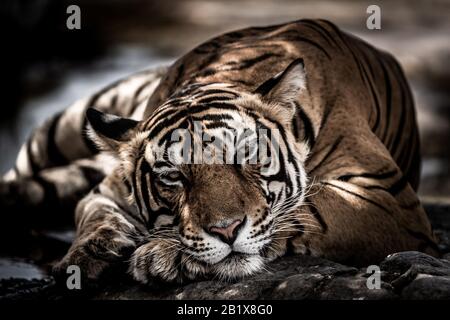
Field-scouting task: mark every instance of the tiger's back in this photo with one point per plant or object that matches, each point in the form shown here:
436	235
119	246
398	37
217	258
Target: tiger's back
356	115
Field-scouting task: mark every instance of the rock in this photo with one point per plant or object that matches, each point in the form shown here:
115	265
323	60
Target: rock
355	288
426	287
416	275
19	289
404	275
299	286
401	262
293	277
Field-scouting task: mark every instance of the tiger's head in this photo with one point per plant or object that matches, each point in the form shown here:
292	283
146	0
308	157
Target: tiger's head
215	173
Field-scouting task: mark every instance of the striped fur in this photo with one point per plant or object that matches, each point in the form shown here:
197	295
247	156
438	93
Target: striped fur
342	185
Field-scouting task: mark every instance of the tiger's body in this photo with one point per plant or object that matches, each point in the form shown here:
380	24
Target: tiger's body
345	183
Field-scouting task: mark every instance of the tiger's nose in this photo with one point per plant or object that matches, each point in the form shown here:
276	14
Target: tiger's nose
229	233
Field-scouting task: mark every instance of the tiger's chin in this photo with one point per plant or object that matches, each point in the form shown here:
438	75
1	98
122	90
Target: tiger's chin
168	261
151	262
233	267
238	265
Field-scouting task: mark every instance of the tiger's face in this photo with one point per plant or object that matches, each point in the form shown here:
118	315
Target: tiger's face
222	223
216	175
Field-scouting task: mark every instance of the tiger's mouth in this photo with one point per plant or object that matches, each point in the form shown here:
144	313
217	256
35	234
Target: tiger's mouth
234	266
237	265
236	255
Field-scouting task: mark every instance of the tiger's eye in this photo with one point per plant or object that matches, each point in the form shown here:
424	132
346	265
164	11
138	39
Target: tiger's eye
174	175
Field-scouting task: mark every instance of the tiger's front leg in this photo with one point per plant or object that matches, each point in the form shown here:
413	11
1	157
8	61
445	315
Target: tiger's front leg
107	233
164	259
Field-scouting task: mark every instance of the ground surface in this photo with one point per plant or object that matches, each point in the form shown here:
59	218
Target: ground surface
405	275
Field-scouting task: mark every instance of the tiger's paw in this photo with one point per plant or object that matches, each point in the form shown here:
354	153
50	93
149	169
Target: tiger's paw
156	259
96	253
164	261
90	267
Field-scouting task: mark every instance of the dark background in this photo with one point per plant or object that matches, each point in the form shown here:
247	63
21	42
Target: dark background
45	66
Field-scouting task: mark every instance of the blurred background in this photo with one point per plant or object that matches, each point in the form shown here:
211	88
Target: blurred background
45	66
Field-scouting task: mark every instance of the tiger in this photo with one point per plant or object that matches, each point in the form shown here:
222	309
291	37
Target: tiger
341	186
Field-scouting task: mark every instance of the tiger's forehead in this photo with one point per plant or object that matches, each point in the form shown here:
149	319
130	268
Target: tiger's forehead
214	119
206	137
213	105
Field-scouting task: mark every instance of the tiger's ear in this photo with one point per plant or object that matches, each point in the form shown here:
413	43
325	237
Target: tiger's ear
285	87
107	131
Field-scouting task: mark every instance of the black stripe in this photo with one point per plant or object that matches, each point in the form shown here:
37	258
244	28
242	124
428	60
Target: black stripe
394	145
371	80
394	189
159	115
209	60
329	152
362	72
179	73
378	176
308	127
319	218
55	157
214	98
207	47
218	125
236	66
136	189
248	63
92	175
406	151
375	187
31	160
160	201
95	97
206	93
213	117
335	29
388	89
127	185
398	186
281	175
137	93
325	116
296	37
368	81
320	29
145	171
167	122
295	127
358	196
167	137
